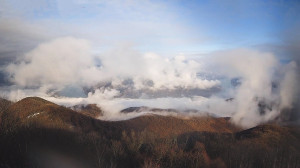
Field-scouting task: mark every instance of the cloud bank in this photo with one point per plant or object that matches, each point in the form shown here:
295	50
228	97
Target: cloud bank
266	86
69	61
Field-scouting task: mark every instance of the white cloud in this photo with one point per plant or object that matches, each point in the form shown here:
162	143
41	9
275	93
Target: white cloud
59	62
258	72
289	86
68	61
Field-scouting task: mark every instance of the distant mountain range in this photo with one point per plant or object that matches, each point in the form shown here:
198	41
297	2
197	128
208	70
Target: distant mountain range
150	109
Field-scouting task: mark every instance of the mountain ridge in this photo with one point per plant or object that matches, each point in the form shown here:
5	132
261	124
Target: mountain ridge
37	133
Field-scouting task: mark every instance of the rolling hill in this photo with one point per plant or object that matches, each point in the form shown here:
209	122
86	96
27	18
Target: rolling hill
39	133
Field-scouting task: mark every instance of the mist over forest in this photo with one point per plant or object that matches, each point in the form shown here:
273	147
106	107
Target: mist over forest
203	80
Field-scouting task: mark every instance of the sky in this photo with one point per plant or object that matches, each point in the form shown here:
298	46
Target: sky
167	27
168	54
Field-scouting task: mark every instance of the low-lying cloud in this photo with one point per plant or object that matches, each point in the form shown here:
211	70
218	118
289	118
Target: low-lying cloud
69	61
266	86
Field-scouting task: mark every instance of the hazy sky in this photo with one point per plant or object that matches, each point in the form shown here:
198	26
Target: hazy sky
168	27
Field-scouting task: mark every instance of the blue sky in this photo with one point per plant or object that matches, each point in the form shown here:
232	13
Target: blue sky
167	27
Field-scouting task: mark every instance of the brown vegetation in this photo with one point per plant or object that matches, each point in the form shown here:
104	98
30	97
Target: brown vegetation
91	110
37	133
